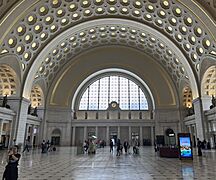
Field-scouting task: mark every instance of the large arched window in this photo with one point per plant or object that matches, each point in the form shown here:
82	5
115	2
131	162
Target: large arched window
187	97
209	82
105	90
36	96
7	81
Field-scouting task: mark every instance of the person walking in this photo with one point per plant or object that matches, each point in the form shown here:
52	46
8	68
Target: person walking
111	145
43	147
126	146
199	145
26	146
118	144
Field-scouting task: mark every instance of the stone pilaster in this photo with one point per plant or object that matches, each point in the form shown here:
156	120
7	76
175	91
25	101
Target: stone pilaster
199	118
211	136
1	129
73	136
96	131
206	102
119	129
20	106
26	131
152	136
32	135
37	136
21	121
141	135
107	135
43	125
129	134
85	133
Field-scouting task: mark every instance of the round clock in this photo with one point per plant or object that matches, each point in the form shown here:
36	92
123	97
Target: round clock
113	104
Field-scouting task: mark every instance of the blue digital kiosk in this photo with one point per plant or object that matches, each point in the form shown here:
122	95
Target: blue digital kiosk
185	146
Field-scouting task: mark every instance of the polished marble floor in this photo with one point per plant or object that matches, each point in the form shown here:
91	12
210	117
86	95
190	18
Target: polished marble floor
66	164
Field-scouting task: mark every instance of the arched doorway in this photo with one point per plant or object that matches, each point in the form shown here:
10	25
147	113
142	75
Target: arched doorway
56	137
170	137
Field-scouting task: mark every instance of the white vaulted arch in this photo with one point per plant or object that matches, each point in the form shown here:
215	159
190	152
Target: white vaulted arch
77	29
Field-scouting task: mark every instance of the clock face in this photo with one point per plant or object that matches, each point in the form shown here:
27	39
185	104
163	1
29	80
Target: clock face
114	104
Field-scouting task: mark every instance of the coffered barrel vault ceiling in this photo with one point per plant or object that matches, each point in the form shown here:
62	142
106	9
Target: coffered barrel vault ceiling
49	19
106	34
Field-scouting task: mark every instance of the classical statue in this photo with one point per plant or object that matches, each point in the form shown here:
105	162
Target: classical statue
35	112
74	115
213	101
4	103
29	109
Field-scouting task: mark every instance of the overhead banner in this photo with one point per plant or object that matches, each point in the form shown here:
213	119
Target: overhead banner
185	146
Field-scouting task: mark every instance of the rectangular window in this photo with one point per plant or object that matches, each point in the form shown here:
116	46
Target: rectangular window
103	100
93	96
134	96
84	101
124	102
114	89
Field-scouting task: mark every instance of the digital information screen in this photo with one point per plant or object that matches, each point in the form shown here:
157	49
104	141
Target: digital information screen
185	146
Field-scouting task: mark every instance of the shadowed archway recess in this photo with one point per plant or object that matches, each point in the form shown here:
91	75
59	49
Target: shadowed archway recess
98	60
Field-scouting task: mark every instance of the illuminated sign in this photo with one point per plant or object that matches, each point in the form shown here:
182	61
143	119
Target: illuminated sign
185	146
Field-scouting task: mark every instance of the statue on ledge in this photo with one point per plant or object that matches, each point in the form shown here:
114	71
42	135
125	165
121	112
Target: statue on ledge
29	109
35	112
4	103
190	111
213	101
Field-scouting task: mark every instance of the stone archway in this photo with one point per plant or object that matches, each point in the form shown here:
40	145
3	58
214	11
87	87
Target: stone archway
56	137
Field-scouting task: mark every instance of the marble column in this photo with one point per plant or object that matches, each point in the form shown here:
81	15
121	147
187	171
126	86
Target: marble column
157	125
191	133
26	131
7	141
141	135
96	131
20	106
107	135
119	129
42	128
199	118
129	134
152	135
211	136
194	132
32	135
37	141
85	133
73	136
1	129
22	121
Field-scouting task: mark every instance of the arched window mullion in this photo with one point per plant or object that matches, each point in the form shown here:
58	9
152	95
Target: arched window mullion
129	94
108	91
119	89
88	97
98	93
139	96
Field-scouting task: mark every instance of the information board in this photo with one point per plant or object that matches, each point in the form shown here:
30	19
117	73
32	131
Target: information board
185	146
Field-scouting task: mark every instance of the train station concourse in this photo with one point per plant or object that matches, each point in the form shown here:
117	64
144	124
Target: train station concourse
141	71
